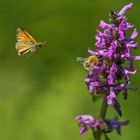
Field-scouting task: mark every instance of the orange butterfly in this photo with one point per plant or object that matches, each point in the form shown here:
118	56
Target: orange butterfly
26	43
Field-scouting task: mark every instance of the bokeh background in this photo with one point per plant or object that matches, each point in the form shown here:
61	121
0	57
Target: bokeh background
41	95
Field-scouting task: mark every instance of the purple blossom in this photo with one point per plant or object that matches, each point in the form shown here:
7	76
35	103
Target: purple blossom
86	121
113	50
89	122
95	124
115	124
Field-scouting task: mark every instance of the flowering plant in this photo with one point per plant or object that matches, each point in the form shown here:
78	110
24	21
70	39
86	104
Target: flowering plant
107	75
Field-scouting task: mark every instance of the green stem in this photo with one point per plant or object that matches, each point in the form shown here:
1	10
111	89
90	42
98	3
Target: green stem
104	108
97	136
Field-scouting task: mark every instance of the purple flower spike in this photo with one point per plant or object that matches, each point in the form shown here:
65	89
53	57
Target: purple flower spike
86	121
114	49
110	74
125	9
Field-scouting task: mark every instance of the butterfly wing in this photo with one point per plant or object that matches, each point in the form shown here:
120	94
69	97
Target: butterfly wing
24	41
23	48
22	35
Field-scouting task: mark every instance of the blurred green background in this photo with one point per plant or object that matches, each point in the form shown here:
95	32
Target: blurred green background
41	95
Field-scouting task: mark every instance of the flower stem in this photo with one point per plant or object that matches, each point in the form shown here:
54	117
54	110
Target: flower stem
104	108
97	136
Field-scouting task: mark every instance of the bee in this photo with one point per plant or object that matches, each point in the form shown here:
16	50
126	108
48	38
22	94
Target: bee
88	63
26	43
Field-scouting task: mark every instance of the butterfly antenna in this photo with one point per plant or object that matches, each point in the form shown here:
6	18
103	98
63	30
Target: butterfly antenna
45	42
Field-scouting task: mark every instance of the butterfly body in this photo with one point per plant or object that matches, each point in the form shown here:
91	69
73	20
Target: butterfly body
26	43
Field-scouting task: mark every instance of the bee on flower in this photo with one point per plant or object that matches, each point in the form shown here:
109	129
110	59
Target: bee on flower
88	63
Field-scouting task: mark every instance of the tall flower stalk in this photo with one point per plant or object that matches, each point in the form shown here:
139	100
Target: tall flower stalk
108	75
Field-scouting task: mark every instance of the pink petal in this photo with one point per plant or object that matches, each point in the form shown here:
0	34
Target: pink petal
104	25
125	8
134	34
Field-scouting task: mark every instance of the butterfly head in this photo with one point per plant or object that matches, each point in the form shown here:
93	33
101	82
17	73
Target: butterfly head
39	45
